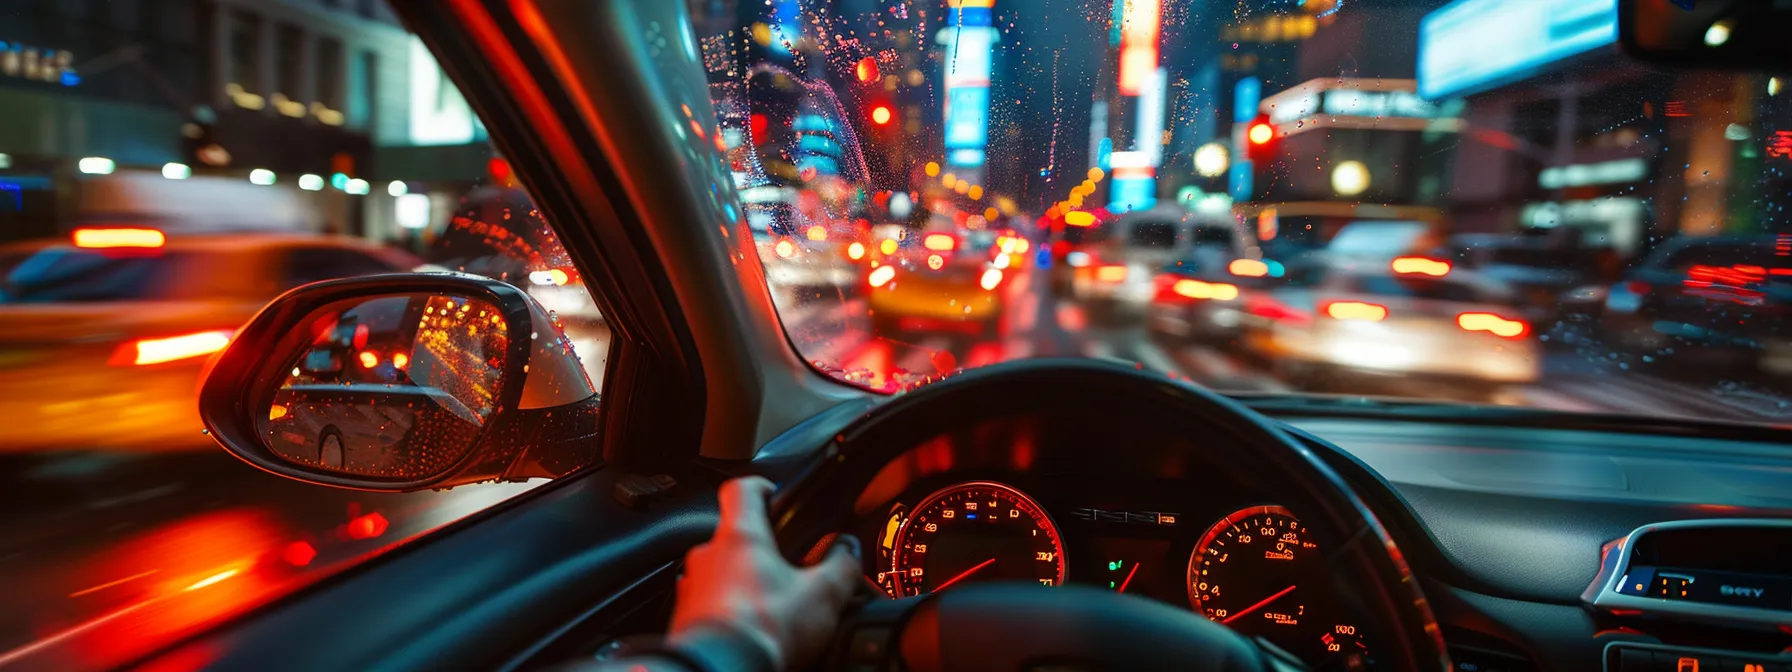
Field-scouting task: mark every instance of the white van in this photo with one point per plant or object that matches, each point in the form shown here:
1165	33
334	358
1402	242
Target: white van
1120	279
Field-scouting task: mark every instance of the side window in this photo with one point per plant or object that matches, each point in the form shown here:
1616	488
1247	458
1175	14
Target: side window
270	144
310	264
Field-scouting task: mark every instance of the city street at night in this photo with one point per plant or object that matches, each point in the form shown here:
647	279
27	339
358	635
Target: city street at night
458	322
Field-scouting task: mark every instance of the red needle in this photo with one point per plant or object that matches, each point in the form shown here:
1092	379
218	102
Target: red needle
1135	570
1258	605
962	575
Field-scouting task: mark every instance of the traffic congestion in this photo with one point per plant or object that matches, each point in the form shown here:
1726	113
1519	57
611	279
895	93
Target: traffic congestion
924	186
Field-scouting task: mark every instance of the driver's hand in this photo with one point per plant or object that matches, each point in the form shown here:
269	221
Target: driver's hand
738	581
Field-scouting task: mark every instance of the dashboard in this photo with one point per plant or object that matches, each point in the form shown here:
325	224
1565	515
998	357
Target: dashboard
1255	567
1505	528
1036	500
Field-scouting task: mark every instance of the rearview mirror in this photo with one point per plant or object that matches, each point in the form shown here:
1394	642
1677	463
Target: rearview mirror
403	382
1736	34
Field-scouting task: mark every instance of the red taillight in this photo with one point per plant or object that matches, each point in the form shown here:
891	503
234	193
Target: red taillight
1196	289
174	348
1422	266
1356	310
939	242
95	238
1637	287
1270	309
1493	324
1111	273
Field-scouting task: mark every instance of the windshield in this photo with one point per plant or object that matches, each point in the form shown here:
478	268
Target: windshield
1532	218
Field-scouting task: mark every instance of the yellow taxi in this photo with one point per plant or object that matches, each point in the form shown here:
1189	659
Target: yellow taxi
103	335
937	281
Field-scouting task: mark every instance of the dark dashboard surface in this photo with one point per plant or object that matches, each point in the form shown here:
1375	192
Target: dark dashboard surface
1526	511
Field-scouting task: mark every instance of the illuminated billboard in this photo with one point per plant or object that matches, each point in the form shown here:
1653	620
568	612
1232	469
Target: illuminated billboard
967	41
1138	46
1474	45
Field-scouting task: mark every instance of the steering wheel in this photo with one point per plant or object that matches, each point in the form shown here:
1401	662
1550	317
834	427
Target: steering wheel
1024	627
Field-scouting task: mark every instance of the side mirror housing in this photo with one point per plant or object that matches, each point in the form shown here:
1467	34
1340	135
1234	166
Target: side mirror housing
403	382
1725	34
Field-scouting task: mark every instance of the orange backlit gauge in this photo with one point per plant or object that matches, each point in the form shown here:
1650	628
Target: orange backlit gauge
1422	266
1259	572
972	533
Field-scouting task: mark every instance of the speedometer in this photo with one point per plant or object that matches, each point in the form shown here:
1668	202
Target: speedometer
1257	572
971	532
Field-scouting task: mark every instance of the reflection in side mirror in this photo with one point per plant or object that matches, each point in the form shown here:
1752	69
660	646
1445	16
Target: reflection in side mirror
1739	34
403	382
426	372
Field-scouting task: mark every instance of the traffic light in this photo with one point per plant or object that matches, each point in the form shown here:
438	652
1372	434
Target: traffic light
1261	139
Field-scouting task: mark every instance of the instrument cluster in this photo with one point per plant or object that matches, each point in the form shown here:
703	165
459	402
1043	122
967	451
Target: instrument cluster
1252	566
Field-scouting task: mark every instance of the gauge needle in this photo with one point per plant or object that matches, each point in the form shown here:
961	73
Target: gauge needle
1128	580
1258	605
962	575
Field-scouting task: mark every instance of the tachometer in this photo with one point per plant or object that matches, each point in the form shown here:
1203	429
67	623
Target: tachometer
1257	572
979	531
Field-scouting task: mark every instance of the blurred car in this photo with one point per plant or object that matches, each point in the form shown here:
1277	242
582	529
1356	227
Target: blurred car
1119	280
497	234
1199	300
1415	318
1718	302
800	256
939	281
1557	280
102	338
1071	247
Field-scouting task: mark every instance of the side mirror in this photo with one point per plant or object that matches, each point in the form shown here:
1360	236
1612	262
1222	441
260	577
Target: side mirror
403	382
1731	34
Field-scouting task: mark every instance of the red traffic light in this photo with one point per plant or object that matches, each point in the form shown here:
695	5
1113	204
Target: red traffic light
1260	133
881	115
